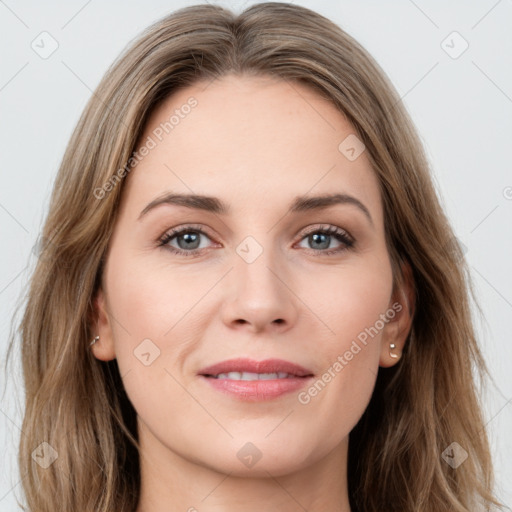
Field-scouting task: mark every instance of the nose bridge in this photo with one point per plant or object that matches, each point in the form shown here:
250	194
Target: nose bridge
257	264
259	295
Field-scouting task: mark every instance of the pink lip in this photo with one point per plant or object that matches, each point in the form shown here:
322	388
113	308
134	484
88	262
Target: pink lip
258	390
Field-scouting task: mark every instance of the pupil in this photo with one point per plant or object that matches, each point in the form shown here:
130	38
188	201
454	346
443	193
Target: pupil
315	239
189	238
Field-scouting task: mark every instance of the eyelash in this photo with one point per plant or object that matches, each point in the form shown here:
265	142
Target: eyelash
338	233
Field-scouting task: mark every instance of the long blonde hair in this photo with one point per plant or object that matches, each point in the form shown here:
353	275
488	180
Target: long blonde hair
77	404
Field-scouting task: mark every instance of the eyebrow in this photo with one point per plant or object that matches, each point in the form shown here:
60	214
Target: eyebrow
215	205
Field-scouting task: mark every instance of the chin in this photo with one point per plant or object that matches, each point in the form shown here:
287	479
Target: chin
280	464
260	458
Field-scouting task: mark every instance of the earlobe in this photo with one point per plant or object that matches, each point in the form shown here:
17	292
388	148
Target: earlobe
399	326
102	343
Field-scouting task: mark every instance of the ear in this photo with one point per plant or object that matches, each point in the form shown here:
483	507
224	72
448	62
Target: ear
103	349
397	329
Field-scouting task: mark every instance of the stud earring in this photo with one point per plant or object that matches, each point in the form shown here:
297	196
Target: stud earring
96	338
392	346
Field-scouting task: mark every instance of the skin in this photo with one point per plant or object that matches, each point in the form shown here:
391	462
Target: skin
255	143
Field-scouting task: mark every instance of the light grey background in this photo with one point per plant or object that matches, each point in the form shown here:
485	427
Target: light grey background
462	108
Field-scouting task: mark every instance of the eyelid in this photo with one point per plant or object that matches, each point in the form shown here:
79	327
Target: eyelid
331	228
178	230
187	227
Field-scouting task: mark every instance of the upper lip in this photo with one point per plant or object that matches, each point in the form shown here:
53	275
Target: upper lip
252	366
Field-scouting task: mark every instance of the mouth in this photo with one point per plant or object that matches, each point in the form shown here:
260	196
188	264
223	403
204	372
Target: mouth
250	376
249	370
250	380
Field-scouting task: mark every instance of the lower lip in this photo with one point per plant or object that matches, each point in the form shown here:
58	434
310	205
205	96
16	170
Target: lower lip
257	390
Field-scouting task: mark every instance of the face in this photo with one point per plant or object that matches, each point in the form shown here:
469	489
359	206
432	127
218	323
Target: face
259	273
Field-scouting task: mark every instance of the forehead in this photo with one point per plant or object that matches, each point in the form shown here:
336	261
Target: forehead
251	141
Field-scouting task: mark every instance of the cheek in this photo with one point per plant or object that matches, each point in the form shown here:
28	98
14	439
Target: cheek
358	305
354	305
155	321
149	297
146	309
351	299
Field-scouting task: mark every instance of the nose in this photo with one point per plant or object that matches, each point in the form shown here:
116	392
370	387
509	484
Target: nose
259	295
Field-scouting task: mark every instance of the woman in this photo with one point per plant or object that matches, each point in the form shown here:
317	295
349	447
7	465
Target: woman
187	345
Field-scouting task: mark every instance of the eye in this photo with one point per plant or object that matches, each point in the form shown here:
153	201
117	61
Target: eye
321	237
188	240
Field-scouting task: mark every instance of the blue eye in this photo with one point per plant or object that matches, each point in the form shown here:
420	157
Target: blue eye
323	236
188	240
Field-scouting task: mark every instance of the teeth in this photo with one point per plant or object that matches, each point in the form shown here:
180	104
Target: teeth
252	376
248	376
